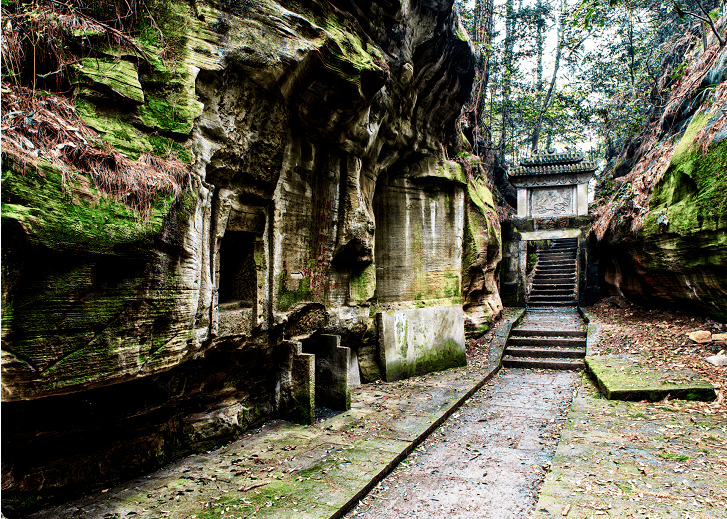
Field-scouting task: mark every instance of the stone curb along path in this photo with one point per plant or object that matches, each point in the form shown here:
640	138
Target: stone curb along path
285	470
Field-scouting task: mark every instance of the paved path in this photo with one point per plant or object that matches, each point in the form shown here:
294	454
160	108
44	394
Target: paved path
487	460
616	459
637	460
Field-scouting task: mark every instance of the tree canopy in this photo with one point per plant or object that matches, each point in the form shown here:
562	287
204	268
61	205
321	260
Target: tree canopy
578	73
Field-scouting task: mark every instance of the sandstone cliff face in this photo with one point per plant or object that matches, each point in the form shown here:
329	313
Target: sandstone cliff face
319	195
665	230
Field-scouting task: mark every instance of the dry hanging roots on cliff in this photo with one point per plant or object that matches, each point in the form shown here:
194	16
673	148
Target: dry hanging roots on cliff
46	128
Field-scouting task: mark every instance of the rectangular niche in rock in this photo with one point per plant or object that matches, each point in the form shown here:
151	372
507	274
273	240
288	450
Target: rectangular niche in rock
238	271
237	292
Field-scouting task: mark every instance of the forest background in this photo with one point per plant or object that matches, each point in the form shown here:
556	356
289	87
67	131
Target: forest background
574	74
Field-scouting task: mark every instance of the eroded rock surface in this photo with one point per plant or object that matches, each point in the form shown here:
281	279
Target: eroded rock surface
320	194
667	240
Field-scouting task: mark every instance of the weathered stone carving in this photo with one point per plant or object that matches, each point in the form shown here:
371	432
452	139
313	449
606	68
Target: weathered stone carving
551	202
550	180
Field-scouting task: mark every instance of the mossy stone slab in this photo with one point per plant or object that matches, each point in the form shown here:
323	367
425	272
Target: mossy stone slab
119	75
624	378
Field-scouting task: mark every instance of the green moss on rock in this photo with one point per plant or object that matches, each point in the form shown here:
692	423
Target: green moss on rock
71	215
448	354
116	74
621	378
363	284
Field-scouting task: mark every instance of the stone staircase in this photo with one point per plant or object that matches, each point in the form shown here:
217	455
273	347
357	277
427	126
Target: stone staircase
554	282
551	334
547	338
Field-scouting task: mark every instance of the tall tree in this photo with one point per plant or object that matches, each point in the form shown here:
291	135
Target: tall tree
482	40
508	69
549	94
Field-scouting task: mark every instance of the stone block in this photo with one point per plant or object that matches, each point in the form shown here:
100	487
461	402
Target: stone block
420	340
624	378
333	372
700	336
295	388
717	360
235	322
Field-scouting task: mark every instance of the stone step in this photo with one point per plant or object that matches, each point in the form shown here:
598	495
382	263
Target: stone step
556	261
552	292
552	303
555	264
558	252
555	283
547	342
557	274
562	287
543	363
569	255
562	353
552	270
530	332
544	299
550	300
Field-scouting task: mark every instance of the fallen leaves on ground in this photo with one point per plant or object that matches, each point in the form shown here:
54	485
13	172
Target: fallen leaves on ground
660	339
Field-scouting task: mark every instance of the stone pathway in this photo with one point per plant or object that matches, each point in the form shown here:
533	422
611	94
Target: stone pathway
615	459
637	460
487	460
287	470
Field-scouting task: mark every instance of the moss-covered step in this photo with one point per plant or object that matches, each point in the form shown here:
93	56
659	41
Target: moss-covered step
622	377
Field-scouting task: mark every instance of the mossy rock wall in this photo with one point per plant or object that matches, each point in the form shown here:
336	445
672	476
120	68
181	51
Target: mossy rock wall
679	257
481	256
290	115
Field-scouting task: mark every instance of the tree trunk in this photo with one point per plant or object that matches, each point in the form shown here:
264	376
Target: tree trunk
482	38
551	87
507	66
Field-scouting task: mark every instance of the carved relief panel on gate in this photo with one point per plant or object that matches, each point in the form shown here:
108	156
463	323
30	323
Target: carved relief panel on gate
553	201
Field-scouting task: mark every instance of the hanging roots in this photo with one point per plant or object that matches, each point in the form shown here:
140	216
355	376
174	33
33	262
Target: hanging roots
48	129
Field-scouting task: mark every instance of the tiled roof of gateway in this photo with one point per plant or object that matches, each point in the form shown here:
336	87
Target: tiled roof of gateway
553	164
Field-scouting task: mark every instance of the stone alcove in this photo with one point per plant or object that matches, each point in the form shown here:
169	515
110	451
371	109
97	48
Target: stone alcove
238	271
239	265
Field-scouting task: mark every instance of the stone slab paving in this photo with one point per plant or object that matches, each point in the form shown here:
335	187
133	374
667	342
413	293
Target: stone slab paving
636	459
488	459
286	470
621	377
